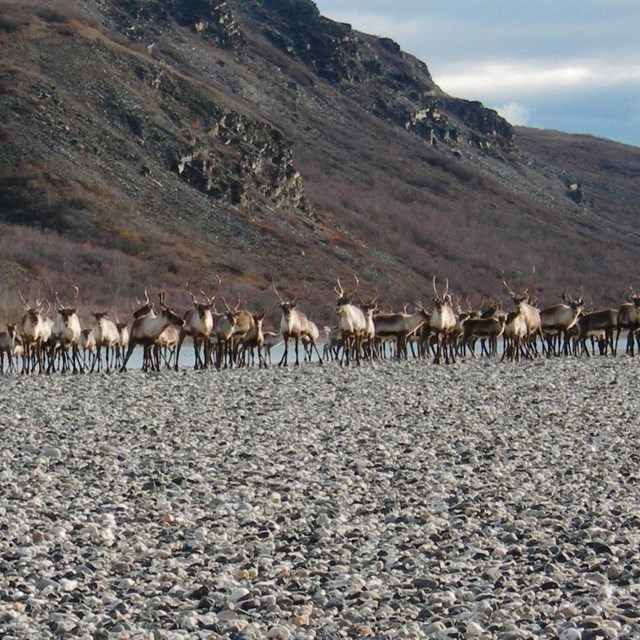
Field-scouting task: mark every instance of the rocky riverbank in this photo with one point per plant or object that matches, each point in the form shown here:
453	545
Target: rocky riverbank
399	500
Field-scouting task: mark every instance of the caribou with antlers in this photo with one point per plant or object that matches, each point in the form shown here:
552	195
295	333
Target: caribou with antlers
295	324
443	324
65	336
352	323
399	326
147	328
31	330
230	331
530	315
558	320
198	324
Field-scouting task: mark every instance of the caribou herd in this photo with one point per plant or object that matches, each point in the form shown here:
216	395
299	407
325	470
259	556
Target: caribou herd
235	336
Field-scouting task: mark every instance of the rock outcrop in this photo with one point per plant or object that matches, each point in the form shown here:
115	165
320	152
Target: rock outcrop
212	19
239	161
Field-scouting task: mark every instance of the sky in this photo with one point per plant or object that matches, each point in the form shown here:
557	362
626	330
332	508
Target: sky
568	65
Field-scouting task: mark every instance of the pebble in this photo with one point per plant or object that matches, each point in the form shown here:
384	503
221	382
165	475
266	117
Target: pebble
394	501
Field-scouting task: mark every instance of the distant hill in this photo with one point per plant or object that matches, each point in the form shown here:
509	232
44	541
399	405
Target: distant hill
150	143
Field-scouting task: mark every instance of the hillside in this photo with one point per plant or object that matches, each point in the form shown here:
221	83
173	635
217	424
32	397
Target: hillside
150	143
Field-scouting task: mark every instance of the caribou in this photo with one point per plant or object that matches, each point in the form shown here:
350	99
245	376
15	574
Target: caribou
530	314
32	332
352	323
295	324
629	319
514	336
123	340
399	326
8	341
254	339
244	324
65	336
332	342
229	333
600	325
107	337
165	347
147	328
483	329
369	345
271	340
310	342
88	346
443	324
198	324
556	322
224	333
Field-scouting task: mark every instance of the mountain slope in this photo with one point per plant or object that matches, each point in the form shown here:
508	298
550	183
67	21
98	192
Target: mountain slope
145	144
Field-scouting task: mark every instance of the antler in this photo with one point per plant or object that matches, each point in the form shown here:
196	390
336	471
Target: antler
146	299
76	295
435	291
273	284
193	297
207	298
339	290
226	306
506	286
24	302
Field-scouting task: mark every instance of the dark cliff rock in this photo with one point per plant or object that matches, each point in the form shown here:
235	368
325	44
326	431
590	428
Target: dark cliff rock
212	19
239	161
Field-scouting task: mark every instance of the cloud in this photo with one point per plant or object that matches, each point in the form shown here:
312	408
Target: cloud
520	78
514	113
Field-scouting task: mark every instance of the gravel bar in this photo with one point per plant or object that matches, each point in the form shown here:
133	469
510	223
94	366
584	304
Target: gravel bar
393	500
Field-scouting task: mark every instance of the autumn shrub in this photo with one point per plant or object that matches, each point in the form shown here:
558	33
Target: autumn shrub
14	16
